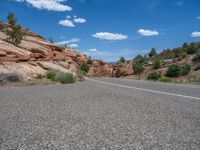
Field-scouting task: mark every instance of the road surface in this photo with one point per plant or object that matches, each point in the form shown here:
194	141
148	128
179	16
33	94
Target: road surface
100	114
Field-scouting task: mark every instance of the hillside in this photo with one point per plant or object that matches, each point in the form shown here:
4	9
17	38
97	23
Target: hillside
34	55
185	58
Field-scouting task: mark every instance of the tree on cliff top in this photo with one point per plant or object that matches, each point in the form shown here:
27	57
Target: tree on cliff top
16	34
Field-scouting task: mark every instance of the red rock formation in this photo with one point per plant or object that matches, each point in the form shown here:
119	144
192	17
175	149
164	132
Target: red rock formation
35	55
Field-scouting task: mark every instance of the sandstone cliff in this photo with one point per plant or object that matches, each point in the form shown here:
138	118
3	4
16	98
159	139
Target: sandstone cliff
35	56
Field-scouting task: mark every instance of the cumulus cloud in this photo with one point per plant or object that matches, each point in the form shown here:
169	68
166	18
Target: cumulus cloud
53	5
144	32
73	45
93	50
110	36
74	40
195	34
79	20
67	23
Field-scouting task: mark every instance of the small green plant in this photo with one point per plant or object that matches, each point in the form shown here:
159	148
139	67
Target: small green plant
197	56
138	68
11	18
80	74
64	77
185	69
122	60
16	34
156	63
152	52
51	74
85	67
173	71
140	59
165	79
153	76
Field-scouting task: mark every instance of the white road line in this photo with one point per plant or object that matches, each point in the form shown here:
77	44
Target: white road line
146	90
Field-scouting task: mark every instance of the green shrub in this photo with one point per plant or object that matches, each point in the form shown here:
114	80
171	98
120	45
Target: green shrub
173	71
11	19
138	68
152	52
197	56
85	67
185	69
153	76
51	74
156	63
140	59
122	60
165	79
64	77
80	74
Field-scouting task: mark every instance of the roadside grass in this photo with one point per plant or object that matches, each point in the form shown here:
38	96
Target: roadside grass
62	77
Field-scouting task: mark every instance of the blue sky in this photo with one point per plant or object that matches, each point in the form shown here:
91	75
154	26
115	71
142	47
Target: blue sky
108	29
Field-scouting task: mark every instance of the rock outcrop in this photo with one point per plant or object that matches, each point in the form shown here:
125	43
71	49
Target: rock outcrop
35	55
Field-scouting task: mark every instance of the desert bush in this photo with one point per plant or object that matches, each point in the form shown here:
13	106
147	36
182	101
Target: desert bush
51	74
80	74
152	52
153	76
156	63
16	34
85	67
197	56
165	79
64	77
10	77
185	69
173	71
122	60
138	68
192	48
140	59
194	77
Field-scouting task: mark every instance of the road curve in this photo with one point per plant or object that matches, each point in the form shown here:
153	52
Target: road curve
100	113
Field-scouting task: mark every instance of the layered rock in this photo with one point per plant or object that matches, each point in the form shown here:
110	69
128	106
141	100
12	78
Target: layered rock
35	55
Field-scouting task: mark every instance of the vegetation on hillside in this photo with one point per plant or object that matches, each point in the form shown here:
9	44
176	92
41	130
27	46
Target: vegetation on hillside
169	63
16	34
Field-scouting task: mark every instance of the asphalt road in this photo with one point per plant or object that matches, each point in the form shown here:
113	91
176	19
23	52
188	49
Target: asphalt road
100	114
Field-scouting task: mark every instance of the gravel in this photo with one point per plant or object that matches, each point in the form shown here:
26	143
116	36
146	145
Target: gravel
92	116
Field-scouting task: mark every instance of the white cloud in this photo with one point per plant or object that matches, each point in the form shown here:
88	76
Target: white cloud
53	5
73	45
74	40
110	36
195	34
93	50
144	32
79	20
67	23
